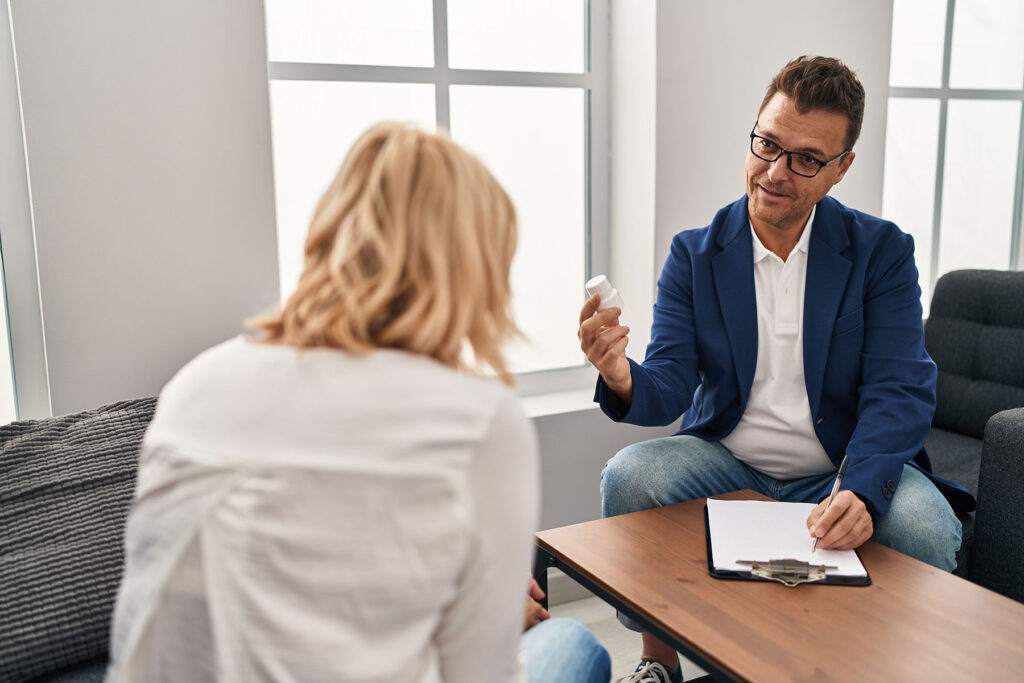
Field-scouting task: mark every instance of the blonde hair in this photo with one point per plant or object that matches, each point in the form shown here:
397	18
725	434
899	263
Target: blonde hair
410	248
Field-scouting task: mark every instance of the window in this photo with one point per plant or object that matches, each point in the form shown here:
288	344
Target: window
954	153
514	83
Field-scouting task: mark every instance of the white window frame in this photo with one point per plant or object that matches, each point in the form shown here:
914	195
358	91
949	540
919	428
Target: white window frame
593	81
944	94
21	282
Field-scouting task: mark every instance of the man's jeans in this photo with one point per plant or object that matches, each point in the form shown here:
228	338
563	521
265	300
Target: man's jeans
919	522
563	651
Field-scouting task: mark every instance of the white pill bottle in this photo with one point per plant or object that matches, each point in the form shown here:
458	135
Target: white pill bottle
609	295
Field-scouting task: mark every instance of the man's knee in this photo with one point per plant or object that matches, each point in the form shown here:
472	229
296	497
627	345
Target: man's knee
630	481
622	470
668	470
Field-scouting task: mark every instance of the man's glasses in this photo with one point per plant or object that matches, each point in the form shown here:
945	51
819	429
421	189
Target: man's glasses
801	163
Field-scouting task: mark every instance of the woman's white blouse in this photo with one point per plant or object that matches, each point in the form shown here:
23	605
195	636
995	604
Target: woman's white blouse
319	516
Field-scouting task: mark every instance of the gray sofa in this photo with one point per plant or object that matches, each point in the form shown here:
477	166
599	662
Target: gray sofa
65	487
66	484
975	334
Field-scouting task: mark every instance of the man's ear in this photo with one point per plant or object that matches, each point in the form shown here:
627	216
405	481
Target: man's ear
844	166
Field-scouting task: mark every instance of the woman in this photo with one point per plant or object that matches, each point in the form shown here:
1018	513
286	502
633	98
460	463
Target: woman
346	495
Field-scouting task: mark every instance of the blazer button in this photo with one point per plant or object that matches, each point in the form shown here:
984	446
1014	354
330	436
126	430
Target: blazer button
887	493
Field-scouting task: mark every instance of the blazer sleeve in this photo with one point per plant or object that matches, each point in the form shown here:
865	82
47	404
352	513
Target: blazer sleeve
663	385
897	390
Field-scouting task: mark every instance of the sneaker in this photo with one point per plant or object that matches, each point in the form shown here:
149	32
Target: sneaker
650	671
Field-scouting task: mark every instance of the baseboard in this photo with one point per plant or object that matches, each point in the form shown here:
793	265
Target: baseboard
562	589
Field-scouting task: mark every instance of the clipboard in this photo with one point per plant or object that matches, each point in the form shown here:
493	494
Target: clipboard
781	570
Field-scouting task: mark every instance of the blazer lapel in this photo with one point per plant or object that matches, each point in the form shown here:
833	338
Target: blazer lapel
733	273
827	273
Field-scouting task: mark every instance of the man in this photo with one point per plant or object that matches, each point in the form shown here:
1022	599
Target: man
789	331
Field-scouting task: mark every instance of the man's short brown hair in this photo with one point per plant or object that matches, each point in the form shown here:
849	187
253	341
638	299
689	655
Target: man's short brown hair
821	83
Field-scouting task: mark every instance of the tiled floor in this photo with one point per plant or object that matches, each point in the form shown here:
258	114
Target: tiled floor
622	644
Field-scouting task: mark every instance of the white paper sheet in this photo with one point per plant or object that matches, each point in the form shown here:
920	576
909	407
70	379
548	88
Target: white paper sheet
769	530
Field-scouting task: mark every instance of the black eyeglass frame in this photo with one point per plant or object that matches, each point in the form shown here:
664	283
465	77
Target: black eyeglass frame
789	155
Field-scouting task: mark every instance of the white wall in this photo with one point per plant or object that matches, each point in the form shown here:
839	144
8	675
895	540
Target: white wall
574	447
713	68
147	133
148	142
633	145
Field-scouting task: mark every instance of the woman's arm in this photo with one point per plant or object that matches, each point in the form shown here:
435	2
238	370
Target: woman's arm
478	638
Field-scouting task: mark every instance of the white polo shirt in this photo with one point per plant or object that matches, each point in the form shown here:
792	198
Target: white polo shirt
776	435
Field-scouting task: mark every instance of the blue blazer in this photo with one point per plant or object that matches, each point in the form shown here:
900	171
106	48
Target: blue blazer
870	382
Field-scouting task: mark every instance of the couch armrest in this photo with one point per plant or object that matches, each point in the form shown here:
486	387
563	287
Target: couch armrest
998	561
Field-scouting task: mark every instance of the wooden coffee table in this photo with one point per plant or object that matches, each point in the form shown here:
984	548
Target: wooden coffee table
913	622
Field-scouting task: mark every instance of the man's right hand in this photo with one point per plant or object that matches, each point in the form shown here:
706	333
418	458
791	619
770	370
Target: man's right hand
604	342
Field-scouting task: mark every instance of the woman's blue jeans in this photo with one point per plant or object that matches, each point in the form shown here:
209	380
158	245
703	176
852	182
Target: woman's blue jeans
563	651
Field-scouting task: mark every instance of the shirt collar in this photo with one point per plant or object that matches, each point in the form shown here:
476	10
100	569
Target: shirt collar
761	252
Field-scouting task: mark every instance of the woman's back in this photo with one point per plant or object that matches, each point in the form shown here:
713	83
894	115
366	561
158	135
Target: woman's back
317	515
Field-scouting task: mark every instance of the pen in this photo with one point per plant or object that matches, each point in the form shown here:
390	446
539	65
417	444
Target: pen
835	487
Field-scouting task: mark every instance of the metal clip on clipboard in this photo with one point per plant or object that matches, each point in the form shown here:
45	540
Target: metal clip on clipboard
789	571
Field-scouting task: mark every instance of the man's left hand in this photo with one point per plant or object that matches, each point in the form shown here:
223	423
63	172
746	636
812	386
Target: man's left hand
846	524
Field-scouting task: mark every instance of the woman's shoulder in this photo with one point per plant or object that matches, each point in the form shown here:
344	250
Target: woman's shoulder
422	376
242	379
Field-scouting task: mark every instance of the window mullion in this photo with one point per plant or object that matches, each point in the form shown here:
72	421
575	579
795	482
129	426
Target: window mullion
947	47
596	128
442	73
368	73
940	170
940	157
1016	241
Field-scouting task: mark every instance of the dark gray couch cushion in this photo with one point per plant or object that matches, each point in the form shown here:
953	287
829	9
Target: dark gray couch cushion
998	561
92	671
958	457
955	456
974	333
65	486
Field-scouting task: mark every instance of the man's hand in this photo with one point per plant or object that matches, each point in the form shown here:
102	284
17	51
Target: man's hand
535	613
604	342
846	524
